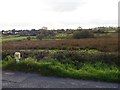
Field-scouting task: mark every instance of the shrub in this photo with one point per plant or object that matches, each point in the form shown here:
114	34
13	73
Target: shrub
28	38
40	36
9	58
67	56
83	34
7	53
37	55
77	58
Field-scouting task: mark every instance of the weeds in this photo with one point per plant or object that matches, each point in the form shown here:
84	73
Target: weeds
52	67
68	56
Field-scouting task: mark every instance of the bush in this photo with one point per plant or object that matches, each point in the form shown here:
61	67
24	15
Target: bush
9	58
77	58
7	53
67	56
40	36
83	34
28	38
37	55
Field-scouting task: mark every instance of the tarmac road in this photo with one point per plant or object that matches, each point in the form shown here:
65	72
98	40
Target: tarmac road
28	80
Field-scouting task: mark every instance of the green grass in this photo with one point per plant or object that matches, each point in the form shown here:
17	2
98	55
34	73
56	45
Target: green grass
52	67
110	34
56	50
14	38
5	39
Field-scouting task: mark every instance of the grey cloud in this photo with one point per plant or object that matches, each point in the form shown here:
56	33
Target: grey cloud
65	5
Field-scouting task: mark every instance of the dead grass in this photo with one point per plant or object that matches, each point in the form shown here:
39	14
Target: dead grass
102	44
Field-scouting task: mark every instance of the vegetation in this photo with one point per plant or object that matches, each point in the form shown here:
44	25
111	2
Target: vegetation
52	67
101	44
28	38
83	34
40	36
73	57
74	53
6	39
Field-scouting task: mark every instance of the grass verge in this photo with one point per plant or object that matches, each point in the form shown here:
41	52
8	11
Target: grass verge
52	67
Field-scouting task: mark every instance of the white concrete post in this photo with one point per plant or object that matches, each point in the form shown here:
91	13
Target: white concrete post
17	56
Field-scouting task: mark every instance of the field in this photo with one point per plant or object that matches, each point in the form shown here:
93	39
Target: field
101	44
5	39
87	58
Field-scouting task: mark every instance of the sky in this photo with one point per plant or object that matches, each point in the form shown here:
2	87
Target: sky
57	14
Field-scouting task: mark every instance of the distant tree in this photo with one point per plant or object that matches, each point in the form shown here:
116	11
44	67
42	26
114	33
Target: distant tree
33	29
40	36
3	31
13	31
44	28
83	34
28	38
79	28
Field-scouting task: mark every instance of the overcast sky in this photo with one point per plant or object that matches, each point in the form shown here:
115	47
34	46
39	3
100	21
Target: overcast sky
28	14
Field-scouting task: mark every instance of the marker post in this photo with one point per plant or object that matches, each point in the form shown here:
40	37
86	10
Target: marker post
17	56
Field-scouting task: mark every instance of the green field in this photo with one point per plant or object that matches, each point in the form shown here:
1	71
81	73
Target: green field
12	38
5	39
